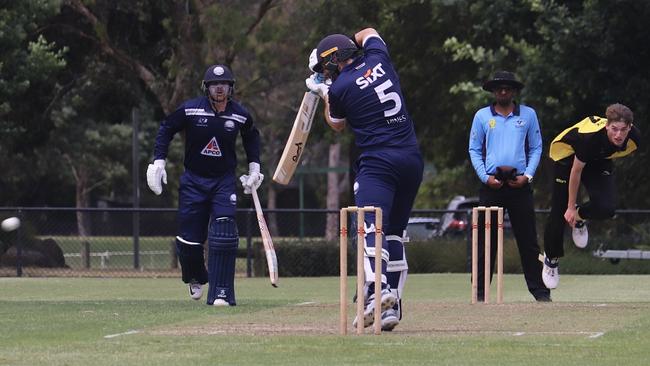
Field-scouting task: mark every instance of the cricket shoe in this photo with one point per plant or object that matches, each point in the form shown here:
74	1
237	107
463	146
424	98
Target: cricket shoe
196	290
220	302
389	320
388	300
580	234
550	272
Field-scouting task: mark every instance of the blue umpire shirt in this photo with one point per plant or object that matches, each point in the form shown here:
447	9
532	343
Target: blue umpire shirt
210	136
514	140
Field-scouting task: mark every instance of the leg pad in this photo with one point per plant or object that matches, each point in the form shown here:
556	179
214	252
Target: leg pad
223	241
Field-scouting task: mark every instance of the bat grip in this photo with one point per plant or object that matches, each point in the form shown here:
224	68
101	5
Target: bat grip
256	200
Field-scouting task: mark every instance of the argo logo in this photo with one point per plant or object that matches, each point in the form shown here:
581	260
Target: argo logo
370	76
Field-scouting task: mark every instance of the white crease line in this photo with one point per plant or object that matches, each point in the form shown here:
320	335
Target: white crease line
121	334
590	335
306	303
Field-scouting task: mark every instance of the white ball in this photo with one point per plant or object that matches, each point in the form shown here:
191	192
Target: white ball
10	224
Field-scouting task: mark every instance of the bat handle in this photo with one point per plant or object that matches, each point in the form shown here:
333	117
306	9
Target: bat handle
256	200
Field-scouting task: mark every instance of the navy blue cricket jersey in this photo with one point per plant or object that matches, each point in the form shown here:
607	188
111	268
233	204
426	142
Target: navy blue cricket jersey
367	94
210	137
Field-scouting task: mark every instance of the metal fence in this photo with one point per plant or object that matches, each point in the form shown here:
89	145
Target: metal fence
138	242
127	242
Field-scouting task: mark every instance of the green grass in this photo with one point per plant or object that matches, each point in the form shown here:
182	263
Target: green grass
594	320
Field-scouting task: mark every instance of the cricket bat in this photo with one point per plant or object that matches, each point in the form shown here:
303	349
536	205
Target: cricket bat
271	259
297	139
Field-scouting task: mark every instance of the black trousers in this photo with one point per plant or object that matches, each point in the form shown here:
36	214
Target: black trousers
598	179
518	203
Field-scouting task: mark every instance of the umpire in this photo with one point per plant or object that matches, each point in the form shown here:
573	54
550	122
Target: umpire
505	146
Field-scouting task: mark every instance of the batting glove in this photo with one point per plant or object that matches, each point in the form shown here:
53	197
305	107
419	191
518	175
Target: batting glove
316	85
252	180
155	175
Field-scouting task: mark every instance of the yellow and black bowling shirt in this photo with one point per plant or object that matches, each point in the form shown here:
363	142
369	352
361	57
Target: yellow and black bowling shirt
588	140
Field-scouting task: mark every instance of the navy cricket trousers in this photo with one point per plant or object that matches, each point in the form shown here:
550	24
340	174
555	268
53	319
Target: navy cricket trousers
598	178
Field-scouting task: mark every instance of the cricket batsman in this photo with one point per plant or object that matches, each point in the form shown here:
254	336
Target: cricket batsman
365	94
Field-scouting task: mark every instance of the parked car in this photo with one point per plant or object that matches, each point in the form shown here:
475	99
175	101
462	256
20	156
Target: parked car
458	221
423	228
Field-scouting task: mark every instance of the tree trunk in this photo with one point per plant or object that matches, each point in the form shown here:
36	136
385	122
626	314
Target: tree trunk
333	193
271	204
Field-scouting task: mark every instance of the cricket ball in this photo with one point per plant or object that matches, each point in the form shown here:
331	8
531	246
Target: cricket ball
10	224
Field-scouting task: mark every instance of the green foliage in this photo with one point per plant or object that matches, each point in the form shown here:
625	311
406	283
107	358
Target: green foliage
27	58
317	257
575	58
90	146
29	68
567	59
313	258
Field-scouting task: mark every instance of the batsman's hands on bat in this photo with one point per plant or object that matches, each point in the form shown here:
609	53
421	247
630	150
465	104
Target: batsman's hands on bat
315	84
252	180
156	175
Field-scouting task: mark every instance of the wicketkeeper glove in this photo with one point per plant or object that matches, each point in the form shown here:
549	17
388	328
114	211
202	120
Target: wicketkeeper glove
315	84
155	175
252	180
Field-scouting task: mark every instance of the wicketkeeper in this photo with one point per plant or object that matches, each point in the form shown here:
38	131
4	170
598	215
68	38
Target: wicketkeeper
207	197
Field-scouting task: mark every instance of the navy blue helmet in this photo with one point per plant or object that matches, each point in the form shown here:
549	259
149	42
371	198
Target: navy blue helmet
218	73
332	49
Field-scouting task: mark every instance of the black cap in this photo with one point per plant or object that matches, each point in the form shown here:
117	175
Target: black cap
503	78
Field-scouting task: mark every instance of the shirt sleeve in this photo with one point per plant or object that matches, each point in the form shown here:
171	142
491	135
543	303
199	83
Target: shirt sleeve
581	149
251	140
171	125
337	112
476	144
374	44
534	145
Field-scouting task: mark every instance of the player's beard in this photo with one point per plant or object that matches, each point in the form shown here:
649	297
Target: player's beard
219	96
504	101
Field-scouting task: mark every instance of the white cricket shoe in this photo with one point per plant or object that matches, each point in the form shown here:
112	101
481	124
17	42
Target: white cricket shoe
580	234
196	290
389	320
388	300
550	272
220	302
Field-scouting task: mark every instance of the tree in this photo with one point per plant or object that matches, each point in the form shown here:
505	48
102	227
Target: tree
91	142
567	59
165	47
29	67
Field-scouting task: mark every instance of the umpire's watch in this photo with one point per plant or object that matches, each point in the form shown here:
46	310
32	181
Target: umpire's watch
530	178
